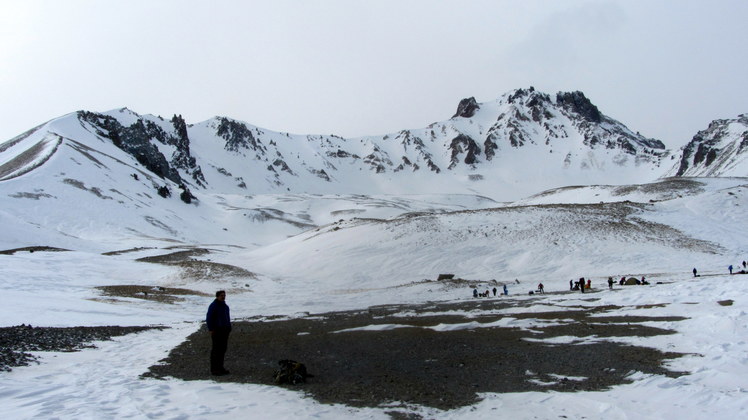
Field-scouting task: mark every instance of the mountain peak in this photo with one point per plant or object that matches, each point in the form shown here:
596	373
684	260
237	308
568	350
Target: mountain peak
720	150
525	141
578	103
466	108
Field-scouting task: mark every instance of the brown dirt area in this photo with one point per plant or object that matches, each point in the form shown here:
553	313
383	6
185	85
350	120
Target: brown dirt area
418	365
154	293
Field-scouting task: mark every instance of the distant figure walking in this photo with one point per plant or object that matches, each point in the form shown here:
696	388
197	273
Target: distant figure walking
506	292
581	284
610	283
541	290
694	272
571	284
494	291
730	268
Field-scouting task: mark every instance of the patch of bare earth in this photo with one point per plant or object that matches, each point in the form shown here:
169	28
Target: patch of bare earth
195	269
422	364
152	293
31	249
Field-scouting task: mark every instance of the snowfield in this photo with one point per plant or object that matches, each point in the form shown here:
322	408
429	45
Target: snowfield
359	262
105	382
289	245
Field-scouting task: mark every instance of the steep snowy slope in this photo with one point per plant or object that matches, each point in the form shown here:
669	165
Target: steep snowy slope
57	191
720	150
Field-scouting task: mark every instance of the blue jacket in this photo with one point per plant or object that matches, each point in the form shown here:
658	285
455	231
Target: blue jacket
218	316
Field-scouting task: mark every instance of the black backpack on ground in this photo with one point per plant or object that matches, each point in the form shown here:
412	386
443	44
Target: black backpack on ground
291	372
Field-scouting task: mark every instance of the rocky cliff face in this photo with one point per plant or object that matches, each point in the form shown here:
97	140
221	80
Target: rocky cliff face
567	122
720	150
140	139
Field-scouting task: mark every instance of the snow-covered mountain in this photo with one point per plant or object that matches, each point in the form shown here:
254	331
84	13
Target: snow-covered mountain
208	182
293	224
524	141
720	150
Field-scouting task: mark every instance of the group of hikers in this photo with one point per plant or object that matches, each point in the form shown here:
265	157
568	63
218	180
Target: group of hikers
580	284
586	284
730	268
487	293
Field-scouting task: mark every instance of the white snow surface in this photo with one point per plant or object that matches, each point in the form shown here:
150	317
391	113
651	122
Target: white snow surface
359	262
313	253
54	289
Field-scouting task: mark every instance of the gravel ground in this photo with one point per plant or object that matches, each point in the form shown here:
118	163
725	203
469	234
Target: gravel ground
416	365
16	342
145	292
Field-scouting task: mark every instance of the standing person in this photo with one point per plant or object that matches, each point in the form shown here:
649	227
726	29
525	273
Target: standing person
730	268
581	283
571	285
494	291
610	283
506	292
541	289
219	326
694	271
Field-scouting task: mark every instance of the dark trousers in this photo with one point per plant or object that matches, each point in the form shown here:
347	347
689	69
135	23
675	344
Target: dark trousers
220	339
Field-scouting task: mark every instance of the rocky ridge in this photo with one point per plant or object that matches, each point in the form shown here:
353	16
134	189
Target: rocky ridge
474	137
720	150
525	140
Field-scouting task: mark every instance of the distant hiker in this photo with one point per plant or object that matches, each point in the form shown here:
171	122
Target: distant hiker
589	283
506	292
623	281
219	326
541	289
694	272
475	293
571	284
581	283
730	268
744	267
610	283
494	291
488	294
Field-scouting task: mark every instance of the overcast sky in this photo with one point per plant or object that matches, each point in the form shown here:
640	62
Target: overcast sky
352	68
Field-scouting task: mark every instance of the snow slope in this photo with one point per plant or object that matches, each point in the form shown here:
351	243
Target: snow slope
360	262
